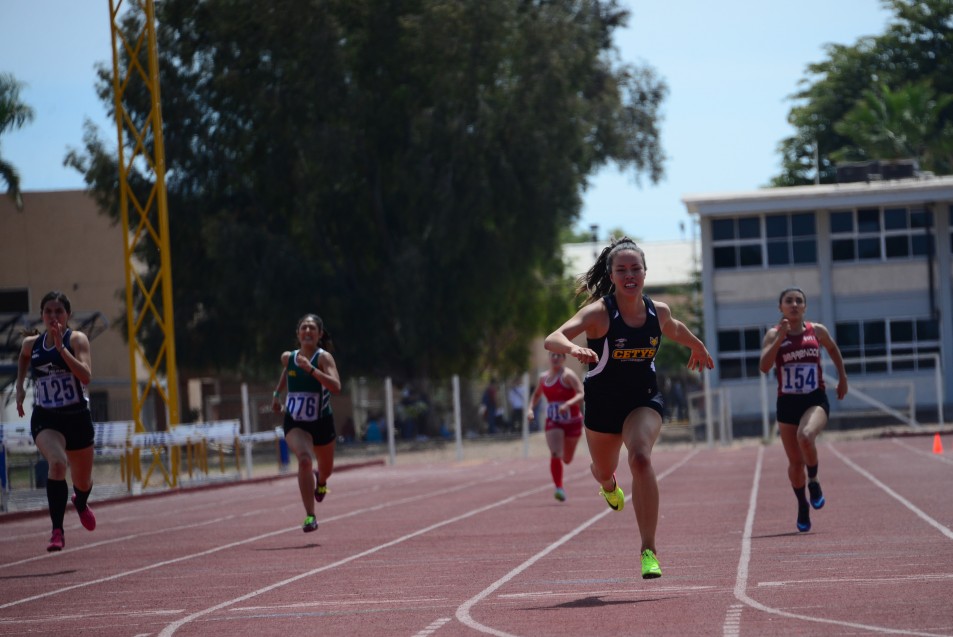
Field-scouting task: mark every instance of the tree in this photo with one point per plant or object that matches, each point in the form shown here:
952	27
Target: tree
913	57
13	114
907	123
403	169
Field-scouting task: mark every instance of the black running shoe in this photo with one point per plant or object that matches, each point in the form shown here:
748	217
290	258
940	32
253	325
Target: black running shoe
817	496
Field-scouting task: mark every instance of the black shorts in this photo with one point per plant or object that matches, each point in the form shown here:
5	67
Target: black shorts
321	430
791	407
76	426
607	414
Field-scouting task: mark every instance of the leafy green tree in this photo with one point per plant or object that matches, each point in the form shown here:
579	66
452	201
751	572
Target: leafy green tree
402	169
907	123
13	114
914	56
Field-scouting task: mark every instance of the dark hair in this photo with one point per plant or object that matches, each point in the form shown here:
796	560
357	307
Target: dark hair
325	341
791	289
596	283
50	296
56	296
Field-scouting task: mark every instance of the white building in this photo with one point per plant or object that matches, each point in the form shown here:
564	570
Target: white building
874	259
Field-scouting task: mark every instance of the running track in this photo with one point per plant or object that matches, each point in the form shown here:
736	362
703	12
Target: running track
482	548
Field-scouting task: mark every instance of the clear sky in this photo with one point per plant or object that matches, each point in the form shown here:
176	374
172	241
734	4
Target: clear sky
730	67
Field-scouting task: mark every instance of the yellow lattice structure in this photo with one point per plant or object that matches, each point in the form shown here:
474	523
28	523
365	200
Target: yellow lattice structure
145	223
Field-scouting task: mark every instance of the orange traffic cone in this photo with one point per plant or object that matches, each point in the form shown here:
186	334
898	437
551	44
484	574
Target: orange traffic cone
937	444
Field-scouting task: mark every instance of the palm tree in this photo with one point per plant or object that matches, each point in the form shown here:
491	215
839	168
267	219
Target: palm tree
13	114
906	123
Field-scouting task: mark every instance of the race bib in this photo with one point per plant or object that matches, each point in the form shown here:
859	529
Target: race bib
553	414
798	378
56	391
302	405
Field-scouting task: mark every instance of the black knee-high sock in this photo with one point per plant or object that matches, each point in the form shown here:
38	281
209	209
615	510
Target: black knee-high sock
801	495
81	497
812	472
56	494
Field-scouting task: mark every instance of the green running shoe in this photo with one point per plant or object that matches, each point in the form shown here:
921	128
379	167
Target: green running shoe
615	499
650	567
560	494
310	524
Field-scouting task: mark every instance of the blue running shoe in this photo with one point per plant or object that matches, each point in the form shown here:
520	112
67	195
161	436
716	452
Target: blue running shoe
817	496
803	519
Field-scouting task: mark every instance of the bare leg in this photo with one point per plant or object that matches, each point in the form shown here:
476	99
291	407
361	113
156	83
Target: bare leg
300	444
604	449
640	431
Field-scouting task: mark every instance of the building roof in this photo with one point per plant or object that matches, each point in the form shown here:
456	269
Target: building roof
669	262
924	189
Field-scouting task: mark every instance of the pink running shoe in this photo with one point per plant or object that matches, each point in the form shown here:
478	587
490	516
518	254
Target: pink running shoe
57	541
86	517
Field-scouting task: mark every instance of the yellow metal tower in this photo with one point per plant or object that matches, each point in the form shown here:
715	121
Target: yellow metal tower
145	223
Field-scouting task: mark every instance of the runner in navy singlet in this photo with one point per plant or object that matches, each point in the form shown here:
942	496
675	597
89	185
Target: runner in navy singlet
793	348
61	424
623	405
311	375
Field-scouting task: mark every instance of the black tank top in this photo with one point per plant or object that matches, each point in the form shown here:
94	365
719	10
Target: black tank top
626	354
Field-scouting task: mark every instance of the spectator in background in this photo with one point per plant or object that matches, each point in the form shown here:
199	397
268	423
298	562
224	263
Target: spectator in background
490	407
517	404
61	424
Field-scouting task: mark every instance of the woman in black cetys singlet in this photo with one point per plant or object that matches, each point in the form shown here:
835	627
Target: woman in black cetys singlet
624	330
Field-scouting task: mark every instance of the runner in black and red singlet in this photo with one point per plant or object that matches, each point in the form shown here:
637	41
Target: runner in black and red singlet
793	349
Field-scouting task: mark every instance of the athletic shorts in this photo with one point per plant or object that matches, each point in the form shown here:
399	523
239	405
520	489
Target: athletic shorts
791	407
571	428
321	430
608	415
76	426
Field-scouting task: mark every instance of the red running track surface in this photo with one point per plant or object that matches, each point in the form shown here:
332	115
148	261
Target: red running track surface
483	548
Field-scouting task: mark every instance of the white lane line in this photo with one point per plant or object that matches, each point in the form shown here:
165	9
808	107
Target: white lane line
893	494
741	580
171	628
463	612
256	538
603	592
732	625
928	454
433	627
124	538
892	579
79	617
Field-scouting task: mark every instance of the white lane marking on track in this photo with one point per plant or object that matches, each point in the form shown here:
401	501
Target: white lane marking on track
463	611
363	601
86	616
892	579
123	538
171	628
254	539
732	625
741	580
928	454
896	496
433	627
619	591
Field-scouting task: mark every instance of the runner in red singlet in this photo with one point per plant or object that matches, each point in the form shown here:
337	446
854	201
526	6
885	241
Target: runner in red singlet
563	391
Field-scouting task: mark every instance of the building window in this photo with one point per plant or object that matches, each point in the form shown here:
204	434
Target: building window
887	345
739	352
764	241
880	234
14	301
